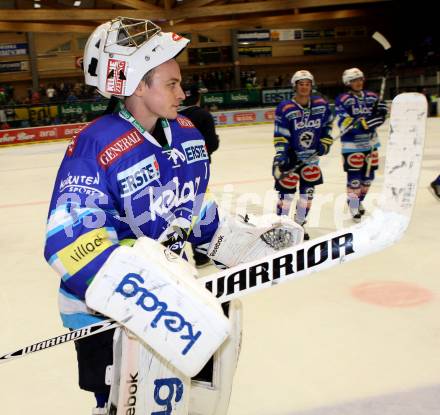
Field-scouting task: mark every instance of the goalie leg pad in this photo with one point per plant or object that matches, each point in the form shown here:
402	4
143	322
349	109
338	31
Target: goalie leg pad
212	397
154	293
143	383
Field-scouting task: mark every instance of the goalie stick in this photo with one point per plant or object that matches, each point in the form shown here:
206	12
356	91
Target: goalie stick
384	228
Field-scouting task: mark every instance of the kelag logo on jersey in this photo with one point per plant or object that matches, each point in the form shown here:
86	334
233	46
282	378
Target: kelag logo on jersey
175	194
308	124
361	110
138	176
195	150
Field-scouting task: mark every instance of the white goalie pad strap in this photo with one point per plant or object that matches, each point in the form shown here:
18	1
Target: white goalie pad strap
239	240
154	293
212	398
143	383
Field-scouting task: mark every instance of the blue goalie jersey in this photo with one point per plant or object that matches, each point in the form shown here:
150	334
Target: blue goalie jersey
115	184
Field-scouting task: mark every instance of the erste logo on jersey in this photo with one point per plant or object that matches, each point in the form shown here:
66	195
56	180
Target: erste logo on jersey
185	122
118	148
138	176
195	150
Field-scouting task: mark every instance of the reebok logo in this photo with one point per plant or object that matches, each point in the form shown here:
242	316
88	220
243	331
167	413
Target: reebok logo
132	385
217	246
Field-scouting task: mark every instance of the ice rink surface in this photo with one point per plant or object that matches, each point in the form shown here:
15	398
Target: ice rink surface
359	339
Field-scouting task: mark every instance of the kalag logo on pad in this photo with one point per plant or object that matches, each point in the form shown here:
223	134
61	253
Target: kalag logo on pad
138	176
132	284
174	391
195	150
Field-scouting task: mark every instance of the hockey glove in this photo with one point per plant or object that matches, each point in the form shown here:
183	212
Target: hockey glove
381	110
374	122
282	162
324	145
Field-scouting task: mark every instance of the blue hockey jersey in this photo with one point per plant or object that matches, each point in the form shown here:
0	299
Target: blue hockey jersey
349	108
302	127
115	184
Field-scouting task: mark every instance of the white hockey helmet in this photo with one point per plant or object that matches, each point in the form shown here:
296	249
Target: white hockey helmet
351	74
120	52
300	75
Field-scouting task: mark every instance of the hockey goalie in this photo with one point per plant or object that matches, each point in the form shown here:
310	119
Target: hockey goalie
130	192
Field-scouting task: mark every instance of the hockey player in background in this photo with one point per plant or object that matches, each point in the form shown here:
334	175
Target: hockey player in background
359	112
204	122
302	134
130	192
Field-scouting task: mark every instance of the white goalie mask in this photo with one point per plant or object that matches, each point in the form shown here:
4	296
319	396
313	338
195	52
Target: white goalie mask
120	52
301	75
351	74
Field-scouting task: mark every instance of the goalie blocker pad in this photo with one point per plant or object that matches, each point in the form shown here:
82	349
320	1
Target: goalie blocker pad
248	238
154	293
143	383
